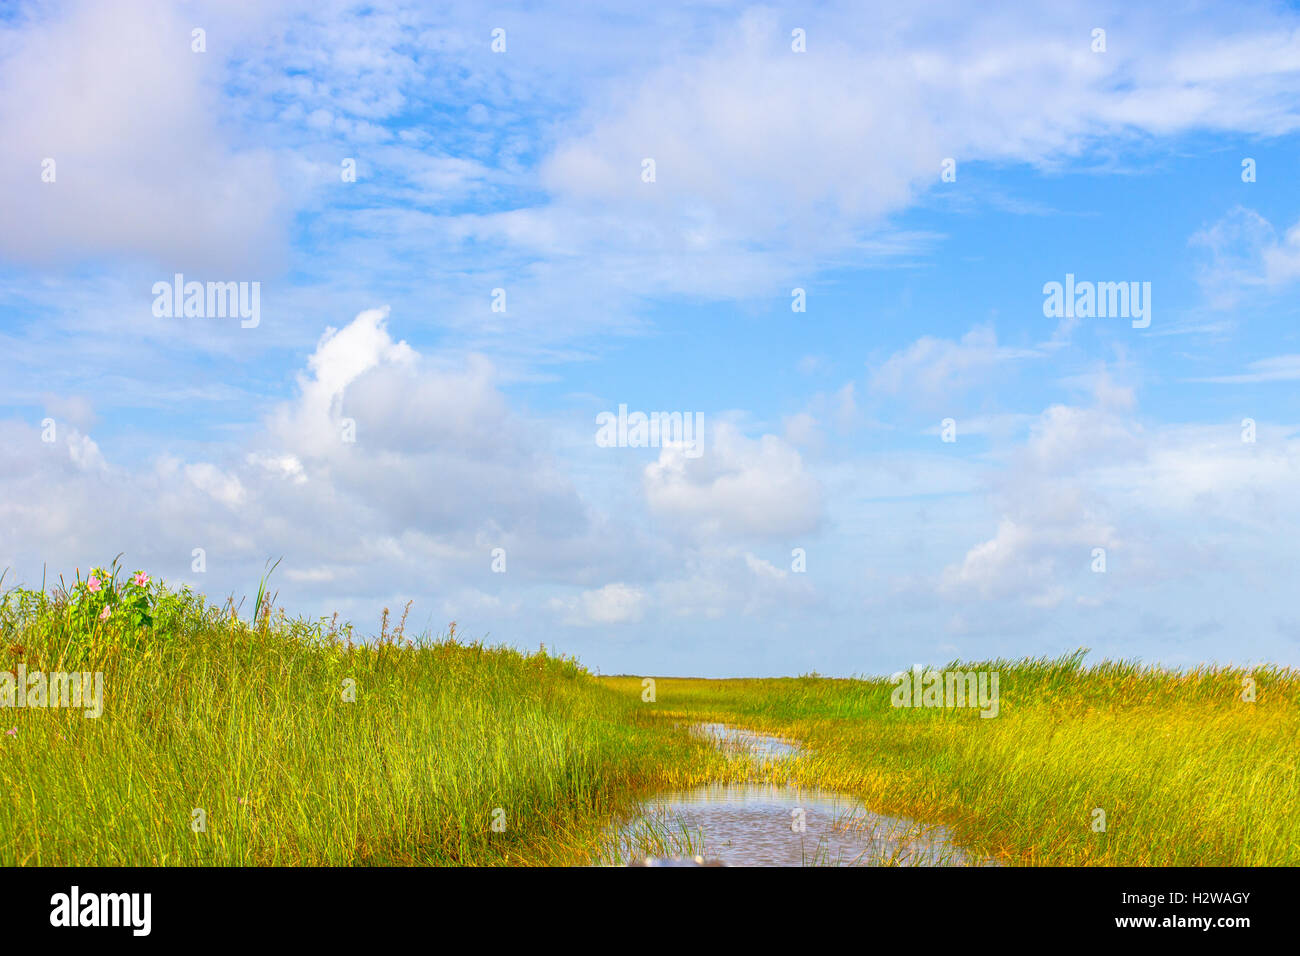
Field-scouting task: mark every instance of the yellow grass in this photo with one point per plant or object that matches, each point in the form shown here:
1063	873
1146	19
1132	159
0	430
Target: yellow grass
1185	771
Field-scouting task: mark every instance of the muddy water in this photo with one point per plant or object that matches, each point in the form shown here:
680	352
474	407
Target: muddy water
748	824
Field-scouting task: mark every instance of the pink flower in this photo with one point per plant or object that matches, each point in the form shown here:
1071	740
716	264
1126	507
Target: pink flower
103	615
11	732
92	584
141	579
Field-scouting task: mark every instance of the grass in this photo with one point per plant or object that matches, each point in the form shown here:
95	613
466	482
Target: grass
1185	770
242	725
265	740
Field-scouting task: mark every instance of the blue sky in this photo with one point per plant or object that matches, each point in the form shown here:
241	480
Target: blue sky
522	170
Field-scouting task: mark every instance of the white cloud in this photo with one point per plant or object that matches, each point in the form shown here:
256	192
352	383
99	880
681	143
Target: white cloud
1023	561
76	409
1072	440
931	369
314	423
761	150
613	604
227	489
764	570
84	453
738	486
1054	500
1245	254
1153	497
440	473
801	429
726	580
129	115
285	466
1279	368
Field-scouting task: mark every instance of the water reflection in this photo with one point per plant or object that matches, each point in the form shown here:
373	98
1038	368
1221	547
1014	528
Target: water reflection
763	824
747	824
760	746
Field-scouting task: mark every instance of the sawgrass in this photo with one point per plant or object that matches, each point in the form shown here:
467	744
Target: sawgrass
1185	770
227	741
273	741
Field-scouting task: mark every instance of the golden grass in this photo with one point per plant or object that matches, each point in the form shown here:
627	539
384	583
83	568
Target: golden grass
1186	772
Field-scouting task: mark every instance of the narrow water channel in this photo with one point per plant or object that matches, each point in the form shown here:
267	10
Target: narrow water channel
753	824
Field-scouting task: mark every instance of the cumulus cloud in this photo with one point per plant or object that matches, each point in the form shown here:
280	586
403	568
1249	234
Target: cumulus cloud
313	423
392	470
616	603
440	472
1055	503
738	486
1152	497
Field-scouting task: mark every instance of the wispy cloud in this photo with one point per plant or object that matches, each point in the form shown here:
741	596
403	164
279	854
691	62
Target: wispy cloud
1279	368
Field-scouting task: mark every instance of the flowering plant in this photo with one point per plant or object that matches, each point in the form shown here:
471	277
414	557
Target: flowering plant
103	600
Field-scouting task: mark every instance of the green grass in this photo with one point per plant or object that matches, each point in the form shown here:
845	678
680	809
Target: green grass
246	721
1186	772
